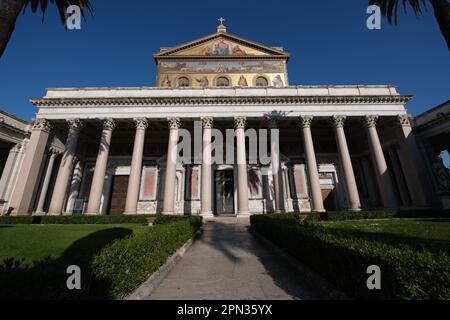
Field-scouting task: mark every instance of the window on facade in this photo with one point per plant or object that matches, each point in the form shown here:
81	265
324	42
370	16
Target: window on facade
262	82
183	82
222	82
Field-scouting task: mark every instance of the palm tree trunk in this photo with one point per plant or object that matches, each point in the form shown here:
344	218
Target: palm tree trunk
9	11
442	14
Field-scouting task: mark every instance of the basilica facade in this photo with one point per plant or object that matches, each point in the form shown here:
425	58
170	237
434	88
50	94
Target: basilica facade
112	150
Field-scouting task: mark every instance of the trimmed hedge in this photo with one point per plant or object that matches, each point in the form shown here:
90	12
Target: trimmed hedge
128	262
377	214
406	273
112	270
81	219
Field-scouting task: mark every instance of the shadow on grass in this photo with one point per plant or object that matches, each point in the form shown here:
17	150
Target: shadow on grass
433	245
46	279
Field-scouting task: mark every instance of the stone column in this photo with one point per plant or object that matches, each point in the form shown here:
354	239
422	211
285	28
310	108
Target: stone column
171	167
98	180
206	209
410	159
29	172
65	168
276	165
311	163
354	203
136	167
48	175
7	171
239	125
379	163
398	174
74	186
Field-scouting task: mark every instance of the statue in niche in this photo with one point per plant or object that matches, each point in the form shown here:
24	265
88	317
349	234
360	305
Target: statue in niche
166	83
442	174
277	82
243	82
203	81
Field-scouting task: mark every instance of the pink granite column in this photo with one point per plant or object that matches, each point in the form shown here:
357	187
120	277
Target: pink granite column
171	167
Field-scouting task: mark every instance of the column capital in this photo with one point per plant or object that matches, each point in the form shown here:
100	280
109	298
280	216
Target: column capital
272	122
54	151
370	121
174	123
109	124
207	122
75	124
337	121
240	122
306	121
404	121
141	123
42	125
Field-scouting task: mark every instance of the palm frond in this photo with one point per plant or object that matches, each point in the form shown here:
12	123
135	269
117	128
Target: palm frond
61	6
389	8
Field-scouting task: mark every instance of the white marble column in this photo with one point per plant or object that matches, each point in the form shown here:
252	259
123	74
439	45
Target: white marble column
206	187
74	188
311	163
7	171
354	203
48	175
171	167
136	167
276	164
379	163
239	126
98	180
410	159
398	174
65	168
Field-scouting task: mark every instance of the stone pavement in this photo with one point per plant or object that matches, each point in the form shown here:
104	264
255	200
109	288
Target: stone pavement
228	262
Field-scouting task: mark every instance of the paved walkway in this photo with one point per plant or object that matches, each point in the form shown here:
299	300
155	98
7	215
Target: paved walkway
228	262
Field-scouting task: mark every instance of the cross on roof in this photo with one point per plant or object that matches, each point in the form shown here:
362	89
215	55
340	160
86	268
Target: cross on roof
221	20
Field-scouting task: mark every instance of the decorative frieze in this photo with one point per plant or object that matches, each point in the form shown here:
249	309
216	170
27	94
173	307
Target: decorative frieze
370	121
240	122
42	125
174	123
198	101
141	123
207	122
306	121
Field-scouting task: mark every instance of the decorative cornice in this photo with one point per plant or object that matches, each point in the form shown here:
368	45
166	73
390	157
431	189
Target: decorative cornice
240	122
306	121
42	124
207	122
338	121
174	123
141	123
370	121
196	101
109	124
438	120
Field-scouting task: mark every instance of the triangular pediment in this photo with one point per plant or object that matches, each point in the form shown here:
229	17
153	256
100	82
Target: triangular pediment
222	45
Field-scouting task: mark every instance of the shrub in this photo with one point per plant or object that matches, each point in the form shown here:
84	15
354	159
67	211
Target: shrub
343	259
128	262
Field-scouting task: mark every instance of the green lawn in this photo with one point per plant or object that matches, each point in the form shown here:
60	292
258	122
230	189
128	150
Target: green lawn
432	234
71	242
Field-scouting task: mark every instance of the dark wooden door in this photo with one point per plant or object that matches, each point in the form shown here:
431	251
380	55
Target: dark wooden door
224	192
118	195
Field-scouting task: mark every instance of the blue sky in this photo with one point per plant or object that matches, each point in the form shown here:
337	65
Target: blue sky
328	40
